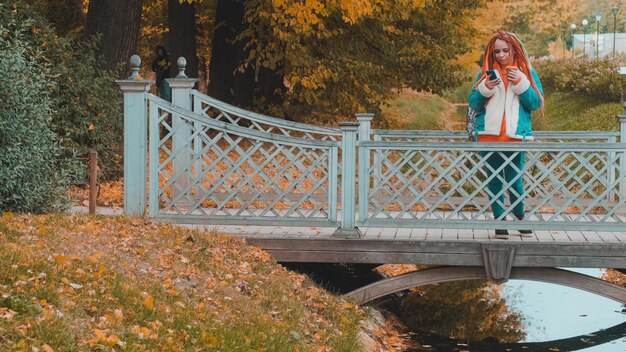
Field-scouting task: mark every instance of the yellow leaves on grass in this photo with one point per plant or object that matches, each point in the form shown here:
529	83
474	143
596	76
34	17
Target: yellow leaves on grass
101	337
209	339
148	300
60	259
146	290
143	332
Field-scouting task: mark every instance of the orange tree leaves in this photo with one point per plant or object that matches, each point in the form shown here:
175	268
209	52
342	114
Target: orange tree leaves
345	56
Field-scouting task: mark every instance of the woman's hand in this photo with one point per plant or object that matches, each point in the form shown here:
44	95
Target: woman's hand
490	83
514	75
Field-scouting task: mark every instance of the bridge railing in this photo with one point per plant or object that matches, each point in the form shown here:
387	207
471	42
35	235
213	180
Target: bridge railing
461	136
222	164
434	179
221	111
207	171
443	184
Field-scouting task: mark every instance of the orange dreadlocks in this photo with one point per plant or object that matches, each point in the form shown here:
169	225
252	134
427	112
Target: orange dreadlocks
519	57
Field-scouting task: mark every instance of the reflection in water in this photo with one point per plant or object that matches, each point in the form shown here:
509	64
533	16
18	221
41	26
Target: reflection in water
466	310
478	316
539	317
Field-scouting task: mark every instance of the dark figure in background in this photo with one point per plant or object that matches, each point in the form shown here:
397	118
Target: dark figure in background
161	65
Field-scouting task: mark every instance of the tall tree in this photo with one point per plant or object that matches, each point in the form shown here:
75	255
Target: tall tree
117	21
343	56
181	19
228	80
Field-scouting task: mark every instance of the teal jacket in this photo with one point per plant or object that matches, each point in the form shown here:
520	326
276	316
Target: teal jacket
517	103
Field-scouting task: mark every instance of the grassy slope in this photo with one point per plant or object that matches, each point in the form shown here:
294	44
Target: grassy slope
572	112
411	110
79	283
563	112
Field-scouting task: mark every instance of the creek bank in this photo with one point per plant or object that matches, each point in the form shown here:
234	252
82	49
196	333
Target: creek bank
382	331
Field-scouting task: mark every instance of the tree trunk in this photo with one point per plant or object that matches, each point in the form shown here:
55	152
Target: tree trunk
117	21
226	83
258	88
270	87
182	35
66	15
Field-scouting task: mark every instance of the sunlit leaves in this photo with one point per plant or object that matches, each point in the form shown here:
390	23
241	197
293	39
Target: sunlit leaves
118	283
344	56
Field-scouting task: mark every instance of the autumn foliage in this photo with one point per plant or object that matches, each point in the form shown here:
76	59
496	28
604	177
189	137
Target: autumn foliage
111	284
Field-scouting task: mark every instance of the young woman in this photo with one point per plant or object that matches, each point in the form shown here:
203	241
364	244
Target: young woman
505	93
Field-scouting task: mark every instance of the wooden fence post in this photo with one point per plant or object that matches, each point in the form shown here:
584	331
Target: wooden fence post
93	181
135	139
348	181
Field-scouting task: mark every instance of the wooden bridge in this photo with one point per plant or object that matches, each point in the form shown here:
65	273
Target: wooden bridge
359	195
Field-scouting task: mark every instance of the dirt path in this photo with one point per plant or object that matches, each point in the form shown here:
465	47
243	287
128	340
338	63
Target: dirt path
447	120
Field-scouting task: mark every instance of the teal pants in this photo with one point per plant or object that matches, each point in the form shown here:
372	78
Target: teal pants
510	174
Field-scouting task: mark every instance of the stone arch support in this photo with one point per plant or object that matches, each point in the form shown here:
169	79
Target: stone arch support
452	273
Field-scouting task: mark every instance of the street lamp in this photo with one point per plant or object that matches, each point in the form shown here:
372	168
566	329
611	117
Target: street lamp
585	23
598	18
573	28
614	10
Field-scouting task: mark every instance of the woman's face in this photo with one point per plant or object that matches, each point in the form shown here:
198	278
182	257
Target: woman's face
503	53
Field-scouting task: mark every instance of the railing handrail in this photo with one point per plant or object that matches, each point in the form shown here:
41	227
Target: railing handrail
243	131
274	121
463	134
521	146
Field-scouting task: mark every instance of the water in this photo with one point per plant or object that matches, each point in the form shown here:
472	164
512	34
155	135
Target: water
552	318
473	316
553	312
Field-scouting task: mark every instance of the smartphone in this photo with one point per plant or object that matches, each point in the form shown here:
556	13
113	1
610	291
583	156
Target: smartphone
492	74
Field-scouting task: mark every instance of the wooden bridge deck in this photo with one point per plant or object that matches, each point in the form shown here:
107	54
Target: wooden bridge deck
418	234
462	247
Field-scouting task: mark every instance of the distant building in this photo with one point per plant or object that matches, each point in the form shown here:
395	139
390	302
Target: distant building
604	45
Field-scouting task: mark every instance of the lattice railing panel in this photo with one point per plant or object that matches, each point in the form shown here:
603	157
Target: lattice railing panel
220	111
571	183
212	170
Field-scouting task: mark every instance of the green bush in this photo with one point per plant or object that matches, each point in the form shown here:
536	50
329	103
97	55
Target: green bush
590	78
86	95
83	92
33	175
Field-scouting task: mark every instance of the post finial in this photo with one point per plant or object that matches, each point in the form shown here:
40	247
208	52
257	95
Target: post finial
135	62
364	117
182	64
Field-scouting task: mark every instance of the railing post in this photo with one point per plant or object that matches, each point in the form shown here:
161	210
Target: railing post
348	180
622	160
135	139
181	138
365	125
612	170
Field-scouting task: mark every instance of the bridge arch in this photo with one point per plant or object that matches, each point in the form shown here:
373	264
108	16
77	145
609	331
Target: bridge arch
454	273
